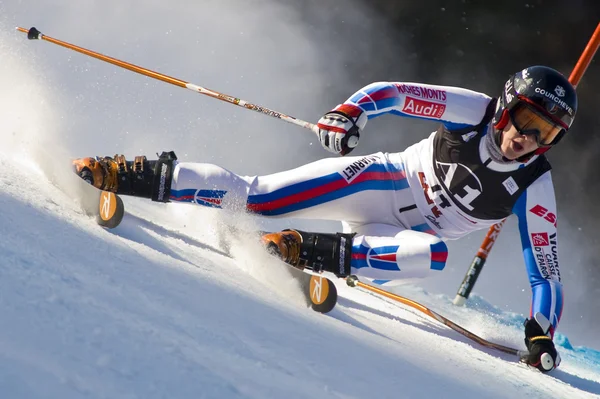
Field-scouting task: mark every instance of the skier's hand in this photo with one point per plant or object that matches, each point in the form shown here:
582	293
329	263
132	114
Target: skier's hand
542	353
339	129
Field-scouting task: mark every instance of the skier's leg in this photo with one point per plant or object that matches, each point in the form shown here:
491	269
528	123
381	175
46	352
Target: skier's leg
209	185
382	253
165	179
370	191
356	189
387	254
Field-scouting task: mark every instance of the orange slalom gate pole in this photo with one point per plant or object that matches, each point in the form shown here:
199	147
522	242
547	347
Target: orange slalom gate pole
585	58
488	242
477	264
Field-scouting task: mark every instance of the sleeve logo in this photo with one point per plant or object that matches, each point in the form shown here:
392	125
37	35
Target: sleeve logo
414	106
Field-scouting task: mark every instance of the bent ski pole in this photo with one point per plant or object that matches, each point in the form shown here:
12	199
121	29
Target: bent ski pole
488	242
33	34
353	281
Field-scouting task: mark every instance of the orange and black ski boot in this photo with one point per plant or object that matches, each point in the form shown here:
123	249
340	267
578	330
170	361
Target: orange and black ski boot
316	251
285	244
100	172
140	177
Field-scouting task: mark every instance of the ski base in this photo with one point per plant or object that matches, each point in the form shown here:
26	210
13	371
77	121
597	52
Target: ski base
319	291
106	207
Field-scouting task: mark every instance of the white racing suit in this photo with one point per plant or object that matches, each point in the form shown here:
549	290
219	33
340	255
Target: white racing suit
403	205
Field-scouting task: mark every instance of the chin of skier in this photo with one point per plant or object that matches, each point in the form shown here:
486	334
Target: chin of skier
484	163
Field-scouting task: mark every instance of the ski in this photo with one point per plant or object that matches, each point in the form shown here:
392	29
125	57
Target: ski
106	207
319	291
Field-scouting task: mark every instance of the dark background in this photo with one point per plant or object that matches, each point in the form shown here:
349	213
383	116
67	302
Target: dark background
477	45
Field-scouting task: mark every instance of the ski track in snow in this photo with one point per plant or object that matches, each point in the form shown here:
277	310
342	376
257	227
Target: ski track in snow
157	308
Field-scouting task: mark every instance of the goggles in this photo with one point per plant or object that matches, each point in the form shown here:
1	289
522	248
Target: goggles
529	121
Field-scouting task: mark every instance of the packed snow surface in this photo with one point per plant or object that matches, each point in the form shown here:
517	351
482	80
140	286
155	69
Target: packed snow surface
161	307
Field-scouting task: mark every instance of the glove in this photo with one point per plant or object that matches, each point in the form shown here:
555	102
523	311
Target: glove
339	129
542	353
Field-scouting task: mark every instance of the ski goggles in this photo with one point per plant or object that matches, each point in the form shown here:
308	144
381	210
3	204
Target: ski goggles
529	121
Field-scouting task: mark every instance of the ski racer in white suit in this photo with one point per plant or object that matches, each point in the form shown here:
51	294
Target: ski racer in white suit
484	163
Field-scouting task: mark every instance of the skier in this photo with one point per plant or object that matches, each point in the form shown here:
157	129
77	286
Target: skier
485	162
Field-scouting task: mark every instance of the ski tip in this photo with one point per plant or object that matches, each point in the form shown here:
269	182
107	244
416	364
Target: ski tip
459	300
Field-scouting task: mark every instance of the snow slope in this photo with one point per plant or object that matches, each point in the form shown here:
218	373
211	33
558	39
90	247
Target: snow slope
156	308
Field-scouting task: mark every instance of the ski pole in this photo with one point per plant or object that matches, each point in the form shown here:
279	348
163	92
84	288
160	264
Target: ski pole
34	34
477	264
353	281
490	238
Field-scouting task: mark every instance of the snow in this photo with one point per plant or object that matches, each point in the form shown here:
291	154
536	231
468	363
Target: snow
157	309
161	307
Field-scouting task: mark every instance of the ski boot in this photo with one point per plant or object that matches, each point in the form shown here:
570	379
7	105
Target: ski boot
316	251
99	172
140	178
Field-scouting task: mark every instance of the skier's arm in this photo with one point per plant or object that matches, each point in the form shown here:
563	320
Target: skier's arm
536	209
456	108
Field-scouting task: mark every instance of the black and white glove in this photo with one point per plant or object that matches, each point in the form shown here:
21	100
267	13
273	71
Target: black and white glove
542	353
339	129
